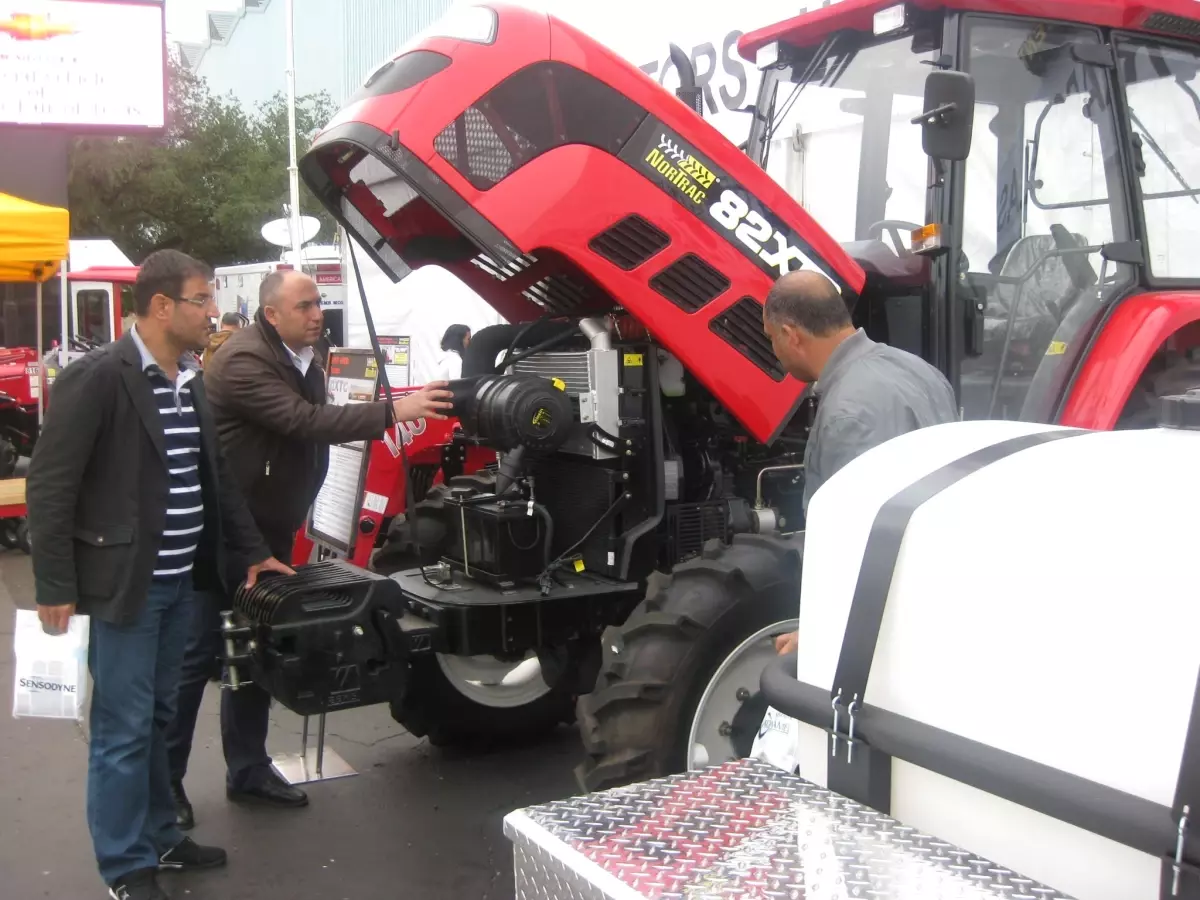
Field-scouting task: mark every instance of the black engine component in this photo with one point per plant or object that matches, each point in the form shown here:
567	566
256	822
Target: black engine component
516	414
333	636
498	541
511	411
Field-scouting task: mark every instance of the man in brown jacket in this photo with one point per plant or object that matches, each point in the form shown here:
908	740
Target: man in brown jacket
267	392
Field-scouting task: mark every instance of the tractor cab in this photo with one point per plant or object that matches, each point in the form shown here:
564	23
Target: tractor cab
1004	180
102	302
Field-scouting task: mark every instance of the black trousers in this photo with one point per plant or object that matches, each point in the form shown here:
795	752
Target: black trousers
245	713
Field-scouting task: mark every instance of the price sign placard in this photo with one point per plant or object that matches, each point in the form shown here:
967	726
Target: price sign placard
352	377
397	354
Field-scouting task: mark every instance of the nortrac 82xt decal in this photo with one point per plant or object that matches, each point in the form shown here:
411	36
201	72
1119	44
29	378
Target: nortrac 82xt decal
659	153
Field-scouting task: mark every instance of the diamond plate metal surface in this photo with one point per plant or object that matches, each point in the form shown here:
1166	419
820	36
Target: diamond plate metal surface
742	831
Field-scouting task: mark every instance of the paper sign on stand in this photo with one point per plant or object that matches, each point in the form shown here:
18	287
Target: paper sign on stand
397	355
353	378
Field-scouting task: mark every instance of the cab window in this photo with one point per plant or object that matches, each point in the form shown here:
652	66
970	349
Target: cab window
92	311
1042	195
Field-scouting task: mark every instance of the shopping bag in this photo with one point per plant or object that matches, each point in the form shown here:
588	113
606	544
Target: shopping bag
776	742
50	672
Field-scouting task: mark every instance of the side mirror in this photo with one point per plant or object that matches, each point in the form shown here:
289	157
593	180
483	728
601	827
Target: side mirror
687	91
949	117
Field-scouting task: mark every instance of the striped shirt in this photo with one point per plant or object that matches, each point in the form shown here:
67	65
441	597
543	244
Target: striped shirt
181	436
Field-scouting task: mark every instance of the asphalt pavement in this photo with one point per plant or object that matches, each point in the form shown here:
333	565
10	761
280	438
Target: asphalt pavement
415	822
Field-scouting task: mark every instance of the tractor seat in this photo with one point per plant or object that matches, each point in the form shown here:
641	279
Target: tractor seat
1048	288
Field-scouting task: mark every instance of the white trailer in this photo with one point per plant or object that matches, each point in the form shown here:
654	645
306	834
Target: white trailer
237	285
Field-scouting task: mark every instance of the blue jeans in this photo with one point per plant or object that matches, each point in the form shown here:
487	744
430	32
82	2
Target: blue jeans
135	673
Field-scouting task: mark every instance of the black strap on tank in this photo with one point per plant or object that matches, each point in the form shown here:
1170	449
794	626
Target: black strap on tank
883	550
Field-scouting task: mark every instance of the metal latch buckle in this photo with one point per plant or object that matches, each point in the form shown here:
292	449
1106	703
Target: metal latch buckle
833	734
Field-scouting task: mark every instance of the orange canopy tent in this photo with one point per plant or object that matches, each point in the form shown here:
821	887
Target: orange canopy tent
34	239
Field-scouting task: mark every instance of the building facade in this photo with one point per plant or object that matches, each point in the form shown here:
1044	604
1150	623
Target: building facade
337	44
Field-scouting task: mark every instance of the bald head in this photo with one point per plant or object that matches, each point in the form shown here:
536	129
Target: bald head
277	282
291	303
806	318
808	300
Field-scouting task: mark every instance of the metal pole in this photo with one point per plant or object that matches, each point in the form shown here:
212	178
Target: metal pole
321	746
64	313
39	345
293	170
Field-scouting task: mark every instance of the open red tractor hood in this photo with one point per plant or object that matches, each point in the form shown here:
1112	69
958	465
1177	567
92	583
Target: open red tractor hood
552	176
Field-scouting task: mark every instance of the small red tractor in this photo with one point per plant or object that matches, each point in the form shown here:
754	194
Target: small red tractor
1011	201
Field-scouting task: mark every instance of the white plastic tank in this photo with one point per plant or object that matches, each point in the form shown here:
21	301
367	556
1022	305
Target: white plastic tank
1041	604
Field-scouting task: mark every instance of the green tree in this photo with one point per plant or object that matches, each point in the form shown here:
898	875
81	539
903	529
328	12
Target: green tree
206	185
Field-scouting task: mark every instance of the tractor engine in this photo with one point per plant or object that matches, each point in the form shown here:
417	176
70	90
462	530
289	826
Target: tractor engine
609	462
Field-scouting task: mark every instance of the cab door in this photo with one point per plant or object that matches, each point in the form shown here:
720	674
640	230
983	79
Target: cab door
1041	196
92	304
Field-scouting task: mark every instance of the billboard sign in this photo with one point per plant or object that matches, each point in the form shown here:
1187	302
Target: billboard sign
83	65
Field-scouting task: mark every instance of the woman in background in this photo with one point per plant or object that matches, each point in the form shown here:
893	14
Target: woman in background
454	342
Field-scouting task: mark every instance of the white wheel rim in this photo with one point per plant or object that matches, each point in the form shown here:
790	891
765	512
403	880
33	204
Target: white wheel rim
493	682
740	670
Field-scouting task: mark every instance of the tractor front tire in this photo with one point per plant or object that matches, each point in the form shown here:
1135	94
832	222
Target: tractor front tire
434	708
636	723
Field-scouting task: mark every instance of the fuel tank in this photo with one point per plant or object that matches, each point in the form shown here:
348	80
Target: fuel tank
997	645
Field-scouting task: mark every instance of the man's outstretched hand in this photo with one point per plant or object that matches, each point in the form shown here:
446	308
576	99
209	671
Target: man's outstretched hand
424	403
787	643
271	564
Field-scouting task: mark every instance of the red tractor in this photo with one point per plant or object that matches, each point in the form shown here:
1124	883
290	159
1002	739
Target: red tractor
1009	206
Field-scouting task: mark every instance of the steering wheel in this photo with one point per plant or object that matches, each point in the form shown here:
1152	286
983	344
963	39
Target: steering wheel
893	227
81	344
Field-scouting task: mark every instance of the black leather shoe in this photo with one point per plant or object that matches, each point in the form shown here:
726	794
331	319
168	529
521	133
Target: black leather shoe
184	817
187	856
139	885
268	789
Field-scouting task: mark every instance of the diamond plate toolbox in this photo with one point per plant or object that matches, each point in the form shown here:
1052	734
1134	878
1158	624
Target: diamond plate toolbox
741	831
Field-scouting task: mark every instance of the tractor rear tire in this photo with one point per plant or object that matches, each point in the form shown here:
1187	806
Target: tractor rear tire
636	723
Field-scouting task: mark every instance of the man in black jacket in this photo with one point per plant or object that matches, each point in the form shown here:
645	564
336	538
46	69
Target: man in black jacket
268	396
131	508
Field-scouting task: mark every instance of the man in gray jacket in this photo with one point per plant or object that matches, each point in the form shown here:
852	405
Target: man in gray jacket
867	393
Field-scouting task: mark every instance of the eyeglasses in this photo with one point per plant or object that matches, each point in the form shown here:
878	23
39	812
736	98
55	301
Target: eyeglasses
199	300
